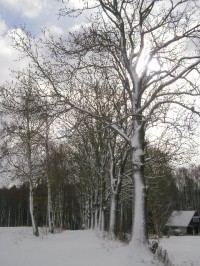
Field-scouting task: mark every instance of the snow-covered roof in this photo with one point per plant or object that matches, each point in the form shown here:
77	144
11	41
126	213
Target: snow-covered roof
180	218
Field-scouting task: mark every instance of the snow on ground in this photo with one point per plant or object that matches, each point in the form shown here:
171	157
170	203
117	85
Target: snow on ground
18	247
182	250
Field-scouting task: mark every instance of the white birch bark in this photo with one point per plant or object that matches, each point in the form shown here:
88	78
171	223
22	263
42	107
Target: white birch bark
113	203
96	218
49	197
100	219
92	214
101	222
30	174
87	218
113	215
31	205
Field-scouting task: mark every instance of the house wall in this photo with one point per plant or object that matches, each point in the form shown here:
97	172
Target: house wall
177	230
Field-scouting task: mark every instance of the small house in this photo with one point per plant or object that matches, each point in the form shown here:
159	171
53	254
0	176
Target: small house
184	222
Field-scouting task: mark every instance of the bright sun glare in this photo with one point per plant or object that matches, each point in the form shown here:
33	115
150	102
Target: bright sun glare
153	65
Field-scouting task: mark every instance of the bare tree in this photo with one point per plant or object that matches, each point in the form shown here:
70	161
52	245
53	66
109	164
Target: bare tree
47	124
22	134
118	158
93	151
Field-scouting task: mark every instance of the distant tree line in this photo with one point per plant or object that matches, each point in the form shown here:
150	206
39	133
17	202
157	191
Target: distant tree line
14	207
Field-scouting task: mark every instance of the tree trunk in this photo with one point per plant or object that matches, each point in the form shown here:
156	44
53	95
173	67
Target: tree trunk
96	214
60	211
9	218
101	220
139	223
49	198
116	183
92	214
113	215
96	217
121	217
49	208
138	228
35	228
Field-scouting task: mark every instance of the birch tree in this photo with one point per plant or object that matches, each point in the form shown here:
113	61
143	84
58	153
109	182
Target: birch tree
22	133
150	50
45	117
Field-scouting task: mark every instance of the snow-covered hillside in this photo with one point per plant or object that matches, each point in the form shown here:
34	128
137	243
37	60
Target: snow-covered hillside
19	247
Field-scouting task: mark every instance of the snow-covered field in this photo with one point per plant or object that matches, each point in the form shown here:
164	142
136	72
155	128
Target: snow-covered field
18	247
183	250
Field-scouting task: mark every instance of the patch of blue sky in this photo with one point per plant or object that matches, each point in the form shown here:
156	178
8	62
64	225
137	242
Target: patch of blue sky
14	20
34	25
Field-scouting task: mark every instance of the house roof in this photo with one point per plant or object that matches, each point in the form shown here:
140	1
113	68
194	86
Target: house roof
180	218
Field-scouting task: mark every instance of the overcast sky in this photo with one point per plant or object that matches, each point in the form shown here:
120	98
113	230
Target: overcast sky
34	15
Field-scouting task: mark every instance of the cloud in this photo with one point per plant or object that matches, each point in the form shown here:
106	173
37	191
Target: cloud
3	27
80	3
77	27
5	48
45	11
27	8
56	31
8	56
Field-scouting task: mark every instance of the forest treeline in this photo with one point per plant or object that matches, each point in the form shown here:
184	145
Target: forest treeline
15	207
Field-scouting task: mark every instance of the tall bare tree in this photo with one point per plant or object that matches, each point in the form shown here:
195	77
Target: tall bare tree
22	133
